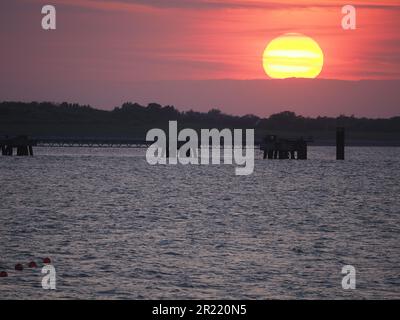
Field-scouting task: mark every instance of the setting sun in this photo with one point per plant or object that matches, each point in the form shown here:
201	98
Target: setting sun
293	55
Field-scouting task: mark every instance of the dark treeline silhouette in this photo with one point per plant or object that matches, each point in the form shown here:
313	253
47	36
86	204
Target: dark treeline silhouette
133	120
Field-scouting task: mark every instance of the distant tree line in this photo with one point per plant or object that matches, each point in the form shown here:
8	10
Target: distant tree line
133	119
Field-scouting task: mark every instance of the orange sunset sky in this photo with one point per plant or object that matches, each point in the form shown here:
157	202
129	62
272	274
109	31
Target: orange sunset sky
102	49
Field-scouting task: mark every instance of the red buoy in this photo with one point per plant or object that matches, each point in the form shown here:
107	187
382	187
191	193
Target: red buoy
3	274
46	261
32	264
19	267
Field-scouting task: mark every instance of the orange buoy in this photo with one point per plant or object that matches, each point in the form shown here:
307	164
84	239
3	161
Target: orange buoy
3	274
46	260
32	264
19	267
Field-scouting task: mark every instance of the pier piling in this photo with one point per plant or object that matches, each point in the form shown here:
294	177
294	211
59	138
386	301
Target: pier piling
340	137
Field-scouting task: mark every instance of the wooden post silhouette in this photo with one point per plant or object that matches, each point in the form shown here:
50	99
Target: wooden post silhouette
340	143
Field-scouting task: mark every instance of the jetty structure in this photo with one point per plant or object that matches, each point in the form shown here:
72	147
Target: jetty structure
280	148
22	144
272	146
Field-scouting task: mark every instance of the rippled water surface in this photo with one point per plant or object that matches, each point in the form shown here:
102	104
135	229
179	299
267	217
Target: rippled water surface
116	227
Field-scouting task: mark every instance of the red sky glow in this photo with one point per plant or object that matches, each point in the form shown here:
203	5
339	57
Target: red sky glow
113	44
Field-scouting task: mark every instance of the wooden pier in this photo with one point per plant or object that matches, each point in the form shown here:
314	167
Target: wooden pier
272	146
278	148
22	144
93	142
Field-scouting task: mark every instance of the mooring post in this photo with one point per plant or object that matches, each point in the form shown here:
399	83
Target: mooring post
340	143
30	150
